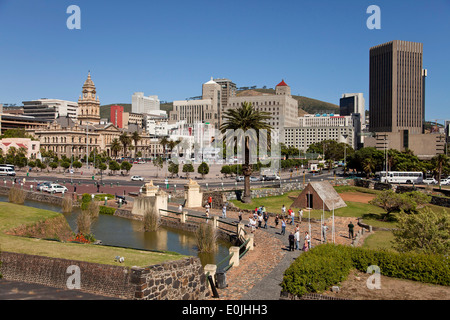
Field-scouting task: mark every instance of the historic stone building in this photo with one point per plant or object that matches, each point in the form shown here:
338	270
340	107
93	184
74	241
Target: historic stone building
67	137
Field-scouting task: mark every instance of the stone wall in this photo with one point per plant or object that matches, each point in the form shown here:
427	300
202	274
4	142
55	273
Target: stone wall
95	278
175	280
36	196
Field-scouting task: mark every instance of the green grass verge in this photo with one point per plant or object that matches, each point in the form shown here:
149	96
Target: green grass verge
12	216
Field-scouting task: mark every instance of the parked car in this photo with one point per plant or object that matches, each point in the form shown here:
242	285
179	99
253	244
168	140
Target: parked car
270	177
56	188
254	179
429	181
445	182
240	178
137	178
42	186
141	162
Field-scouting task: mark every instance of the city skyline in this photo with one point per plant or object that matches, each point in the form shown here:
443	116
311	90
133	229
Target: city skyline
169	49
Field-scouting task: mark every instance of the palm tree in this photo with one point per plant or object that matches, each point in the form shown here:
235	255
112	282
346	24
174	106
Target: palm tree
115	147
172	144
368	166
440	161
245	117
135	137
126	141
164	141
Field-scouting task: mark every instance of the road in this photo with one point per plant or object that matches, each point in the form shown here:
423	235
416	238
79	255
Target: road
173	183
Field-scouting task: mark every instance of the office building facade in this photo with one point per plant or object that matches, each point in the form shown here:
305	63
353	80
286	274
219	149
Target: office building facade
143	104
396	87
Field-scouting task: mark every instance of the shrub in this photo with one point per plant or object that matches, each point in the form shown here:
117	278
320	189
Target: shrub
206	238
107	210
93	209
67	204
84	222
152	220
16	195
327	265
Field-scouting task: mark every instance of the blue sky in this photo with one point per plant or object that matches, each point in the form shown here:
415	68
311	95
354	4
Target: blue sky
169	48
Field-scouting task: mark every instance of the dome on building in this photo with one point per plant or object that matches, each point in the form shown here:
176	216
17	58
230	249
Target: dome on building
282	83
211	81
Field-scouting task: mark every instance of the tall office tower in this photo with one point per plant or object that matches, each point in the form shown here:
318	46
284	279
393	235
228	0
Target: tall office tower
143	104
228	90
396	87
352	103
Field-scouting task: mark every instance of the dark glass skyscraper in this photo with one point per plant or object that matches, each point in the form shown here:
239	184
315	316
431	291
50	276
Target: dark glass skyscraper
396	97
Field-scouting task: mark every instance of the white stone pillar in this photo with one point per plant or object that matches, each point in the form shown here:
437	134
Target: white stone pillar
235	258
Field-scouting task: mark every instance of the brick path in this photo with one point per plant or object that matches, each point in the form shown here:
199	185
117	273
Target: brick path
260	271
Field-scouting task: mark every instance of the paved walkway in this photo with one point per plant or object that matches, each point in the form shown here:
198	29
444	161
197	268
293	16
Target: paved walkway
260	273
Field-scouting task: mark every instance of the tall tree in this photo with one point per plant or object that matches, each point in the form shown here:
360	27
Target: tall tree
115	147
164	141
245	117
439	162
126	141
136	138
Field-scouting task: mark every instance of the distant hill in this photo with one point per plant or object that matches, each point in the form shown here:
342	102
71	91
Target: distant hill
105	111
305	104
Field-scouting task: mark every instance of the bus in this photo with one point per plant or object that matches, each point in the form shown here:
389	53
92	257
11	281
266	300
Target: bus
401	177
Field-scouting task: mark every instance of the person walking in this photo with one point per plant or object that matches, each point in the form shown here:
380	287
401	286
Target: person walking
276	221
324	232
240	216
283	210
266	218
283	226
297	240
300	215
291	238
350	230
292	216
210	202
307	243
224	211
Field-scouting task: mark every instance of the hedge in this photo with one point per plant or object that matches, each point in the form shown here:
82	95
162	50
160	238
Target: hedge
107	210
328	264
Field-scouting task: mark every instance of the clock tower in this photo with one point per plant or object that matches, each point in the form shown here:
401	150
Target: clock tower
89	104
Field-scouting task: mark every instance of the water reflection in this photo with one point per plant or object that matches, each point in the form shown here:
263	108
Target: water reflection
123	232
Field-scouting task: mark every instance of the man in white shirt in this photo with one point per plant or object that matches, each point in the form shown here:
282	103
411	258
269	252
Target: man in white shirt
297	240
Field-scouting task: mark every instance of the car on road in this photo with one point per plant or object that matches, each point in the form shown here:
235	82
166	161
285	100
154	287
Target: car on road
270	177
254	179
141	162
56	188
240	178
429	181
137	178
42	186
445	182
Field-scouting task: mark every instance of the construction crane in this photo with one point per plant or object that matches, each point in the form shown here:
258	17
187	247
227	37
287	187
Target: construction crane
436	124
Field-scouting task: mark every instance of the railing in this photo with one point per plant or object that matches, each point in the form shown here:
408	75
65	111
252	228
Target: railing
236	253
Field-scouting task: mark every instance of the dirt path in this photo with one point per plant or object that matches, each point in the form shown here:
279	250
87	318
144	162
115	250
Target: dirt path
357	197
355	288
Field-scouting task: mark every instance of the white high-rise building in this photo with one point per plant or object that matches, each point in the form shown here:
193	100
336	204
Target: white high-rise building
143	104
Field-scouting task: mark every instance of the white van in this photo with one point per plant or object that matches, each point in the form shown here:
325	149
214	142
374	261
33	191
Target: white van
7	171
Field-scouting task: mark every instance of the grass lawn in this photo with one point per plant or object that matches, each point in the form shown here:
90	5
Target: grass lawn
12	215
379	240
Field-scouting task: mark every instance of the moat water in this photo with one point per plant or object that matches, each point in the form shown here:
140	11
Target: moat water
122	232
